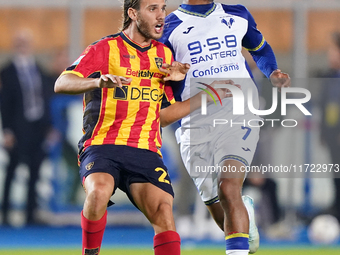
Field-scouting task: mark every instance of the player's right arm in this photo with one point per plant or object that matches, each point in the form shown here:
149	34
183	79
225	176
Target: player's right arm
72	84
263	54
89	71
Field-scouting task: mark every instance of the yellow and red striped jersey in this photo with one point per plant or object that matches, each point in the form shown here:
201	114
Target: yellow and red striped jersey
128	115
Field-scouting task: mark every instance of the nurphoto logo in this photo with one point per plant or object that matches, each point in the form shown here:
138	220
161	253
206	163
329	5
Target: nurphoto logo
238	105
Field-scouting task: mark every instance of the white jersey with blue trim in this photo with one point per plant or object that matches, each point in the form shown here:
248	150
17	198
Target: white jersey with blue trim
212	43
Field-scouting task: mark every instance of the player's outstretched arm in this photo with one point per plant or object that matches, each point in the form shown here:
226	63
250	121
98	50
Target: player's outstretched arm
176	71
179	110
280	79
73	84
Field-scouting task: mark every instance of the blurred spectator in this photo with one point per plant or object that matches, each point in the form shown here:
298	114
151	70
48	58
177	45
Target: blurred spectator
330	107
61	148
24	112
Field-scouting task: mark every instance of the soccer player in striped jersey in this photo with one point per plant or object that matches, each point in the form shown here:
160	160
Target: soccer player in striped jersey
210	37
123	80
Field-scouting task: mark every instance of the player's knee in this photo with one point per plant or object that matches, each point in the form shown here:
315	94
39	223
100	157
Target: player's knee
164	209
163	218
229	190
98	196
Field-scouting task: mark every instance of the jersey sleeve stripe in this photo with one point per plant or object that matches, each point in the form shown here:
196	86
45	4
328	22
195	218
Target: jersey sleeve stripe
73	72
259	46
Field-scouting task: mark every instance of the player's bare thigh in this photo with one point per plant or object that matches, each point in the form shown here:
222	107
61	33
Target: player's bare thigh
99	188
156	204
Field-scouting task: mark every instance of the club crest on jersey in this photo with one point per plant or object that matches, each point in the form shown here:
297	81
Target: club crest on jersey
228	23
159	62
89	166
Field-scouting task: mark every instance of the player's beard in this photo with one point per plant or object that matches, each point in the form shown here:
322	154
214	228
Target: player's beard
145	29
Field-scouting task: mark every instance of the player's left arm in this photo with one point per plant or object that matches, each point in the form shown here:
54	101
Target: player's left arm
171	113
280	79
263	54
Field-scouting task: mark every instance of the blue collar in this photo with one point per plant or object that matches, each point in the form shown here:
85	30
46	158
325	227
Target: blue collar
202	10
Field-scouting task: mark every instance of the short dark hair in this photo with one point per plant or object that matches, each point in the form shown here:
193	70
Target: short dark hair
135	4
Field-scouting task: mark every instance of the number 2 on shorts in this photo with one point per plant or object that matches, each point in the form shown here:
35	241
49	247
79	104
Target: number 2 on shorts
163	175
247	133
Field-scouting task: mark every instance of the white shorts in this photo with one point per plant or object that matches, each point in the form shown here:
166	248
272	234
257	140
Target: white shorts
236	143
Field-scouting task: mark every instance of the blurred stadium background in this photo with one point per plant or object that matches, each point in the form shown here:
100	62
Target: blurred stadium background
299	31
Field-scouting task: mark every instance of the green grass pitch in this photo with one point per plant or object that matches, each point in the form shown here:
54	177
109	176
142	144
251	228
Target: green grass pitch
201	251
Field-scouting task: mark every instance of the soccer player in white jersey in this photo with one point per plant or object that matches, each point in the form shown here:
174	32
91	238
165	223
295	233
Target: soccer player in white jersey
210	37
